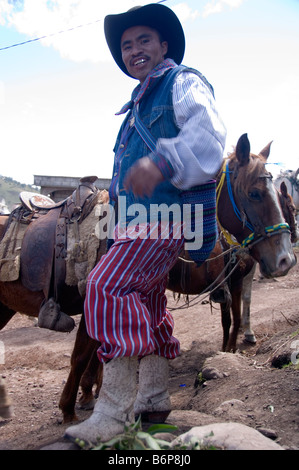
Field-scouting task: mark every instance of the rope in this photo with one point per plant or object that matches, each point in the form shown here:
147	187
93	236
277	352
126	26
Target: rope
231	196
209	290
226	234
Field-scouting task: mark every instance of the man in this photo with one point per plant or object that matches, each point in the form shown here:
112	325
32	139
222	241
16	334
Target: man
125	304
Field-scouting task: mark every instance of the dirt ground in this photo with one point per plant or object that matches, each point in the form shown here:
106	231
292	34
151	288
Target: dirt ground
252	391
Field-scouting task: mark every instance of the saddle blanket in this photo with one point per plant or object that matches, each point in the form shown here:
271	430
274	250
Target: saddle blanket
83	243
10	251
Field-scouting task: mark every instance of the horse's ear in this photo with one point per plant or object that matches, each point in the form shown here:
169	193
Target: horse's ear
266	151
243	150
283	189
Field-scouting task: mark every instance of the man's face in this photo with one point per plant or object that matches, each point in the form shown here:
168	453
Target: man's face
142	50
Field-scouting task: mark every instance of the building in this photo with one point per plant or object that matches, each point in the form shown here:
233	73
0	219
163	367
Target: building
59	188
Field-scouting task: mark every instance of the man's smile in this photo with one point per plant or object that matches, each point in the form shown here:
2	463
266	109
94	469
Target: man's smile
138	61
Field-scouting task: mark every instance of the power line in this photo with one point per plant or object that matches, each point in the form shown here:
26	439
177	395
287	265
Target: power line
55	34
49	35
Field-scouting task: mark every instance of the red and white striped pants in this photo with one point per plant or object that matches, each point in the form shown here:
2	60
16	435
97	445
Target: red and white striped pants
125	305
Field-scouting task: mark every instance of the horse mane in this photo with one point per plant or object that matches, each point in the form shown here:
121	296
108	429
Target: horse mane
245	175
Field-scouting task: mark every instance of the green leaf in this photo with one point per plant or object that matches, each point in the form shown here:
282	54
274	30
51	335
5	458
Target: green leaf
161	428
151	442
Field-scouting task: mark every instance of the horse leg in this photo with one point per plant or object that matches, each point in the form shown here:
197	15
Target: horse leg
226	323
246	298
6	314
236	292
93	374
83	350
6	410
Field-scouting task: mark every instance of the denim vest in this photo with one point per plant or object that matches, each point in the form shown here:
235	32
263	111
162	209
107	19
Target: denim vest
156	112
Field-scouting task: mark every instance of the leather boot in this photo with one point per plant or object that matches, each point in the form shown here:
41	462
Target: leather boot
153	400
115	406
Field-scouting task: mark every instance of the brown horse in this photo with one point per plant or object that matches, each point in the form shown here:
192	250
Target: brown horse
278	259
186	278
289	211
269	245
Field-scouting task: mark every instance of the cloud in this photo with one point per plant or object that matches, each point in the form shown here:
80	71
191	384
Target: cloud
75	27
217	6
85	42
184	12
5	9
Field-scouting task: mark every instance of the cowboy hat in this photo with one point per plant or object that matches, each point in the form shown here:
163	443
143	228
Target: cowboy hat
156	16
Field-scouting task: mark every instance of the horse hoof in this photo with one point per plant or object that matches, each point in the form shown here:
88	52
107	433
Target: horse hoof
251	339
87	405
67	419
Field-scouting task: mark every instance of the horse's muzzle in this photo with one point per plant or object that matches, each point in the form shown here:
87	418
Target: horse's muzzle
284	264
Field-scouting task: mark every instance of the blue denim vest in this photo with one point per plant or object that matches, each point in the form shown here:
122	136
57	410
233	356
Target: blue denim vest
156	112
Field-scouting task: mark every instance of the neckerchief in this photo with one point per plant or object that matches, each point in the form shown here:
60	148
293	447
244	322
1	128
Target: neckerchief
141	90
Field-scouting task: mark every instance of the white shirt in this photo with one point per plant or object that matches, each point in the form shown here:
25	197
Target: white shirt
196	153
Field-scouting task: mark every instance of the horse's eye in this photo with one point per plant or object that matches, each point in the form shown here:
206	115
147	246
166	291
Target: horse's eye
255	195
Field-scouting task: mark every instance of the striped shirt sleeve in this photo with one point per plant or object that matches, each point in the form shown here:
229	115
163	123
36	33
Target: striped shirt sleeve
195	155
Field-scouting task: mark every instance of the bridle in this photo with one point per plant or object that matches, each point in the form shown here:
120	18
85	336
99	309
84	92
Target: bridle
249	219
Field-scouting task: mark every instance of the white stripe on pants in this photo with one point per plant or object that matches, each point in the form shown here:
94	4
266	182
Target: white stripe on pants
125	305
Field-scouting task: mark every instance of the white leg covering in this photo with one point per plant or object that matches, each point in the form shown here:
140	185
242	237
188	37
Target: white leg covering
153	400
115	406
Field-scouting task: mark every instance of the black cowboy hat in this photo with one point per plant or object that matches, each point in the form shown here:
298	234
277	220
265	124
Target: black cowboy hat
156	16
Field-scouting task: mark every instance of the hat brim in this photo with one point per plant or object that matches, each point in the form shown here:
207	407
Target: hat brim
156	16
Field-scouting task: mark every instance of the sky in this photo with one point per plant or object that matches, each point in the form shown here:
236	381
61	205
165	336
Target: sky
59	94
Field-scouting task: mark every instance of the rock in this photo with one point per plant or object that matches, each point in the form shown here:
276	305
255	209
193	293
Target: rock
227	436
231	410
229	406
227	363
210	373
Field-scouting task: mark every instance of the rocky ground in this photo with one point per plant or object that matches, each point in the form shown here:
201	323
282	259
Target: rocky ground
258	386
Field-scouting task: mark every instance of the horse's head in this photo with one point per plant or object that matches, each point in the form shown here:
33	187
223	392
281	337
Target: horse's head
253	212
289	211
290	178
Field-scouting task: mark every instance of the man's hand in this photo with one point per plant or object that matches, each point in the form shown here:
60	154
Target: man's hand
143	178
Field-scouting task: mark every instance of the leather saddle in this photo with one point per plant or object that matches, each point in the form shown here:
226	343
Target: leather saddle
43	253
33	201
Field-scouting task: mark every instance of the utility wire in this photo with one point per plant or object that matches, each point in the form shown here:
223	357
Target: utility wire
58	32
48	35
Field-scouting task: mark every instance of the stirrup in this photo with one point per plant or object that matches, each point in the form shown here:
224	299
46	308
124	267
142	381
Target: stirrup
52	318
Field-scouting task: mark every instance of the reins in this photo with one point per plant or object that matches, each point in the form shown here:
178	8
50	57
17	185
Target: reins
209	290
